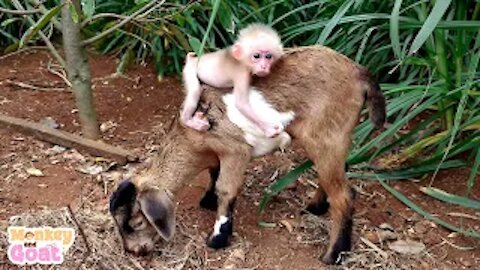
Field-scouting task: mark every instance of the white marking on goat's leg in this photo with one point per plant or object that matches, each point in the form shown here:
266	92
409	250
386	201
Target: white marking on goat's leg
218	224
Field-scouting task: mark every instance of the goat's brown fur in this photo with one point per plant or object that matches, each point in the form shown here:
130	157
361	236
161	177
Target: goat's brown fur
326	91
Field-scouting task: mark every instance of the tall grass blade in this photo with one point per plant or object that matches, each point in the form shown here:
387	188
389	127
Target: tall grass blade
426	214
334	21
429	25
394	34
450	198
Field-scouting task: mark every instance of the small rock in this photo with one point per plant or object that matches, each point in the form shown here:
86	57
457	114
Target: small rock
92	170
56	149
34	171
49	122
105	126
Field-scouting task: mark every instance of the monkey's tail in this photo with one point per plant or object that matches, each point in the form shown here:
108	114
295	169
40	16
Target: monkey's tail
375	99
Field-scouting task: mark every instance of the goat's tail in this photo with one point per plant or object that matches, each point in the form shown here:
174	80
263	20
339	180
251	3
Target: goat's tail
375	99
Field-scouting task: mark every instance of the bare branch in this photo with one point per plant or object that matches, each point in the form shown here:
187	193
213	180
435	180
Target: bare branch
20	12
141	13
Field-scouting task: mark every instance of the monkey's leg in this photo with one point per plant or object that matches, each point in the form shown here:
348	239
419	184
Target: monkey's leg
210	198
230	180
194	91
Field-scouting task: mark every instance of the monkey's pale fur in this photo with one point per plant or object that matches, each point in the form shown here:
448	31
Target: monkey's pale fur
261	144
258	34
324	89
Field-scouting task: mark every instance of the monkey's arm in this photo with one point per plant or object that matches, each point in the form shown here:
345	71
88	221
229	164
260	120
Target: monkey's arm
241	91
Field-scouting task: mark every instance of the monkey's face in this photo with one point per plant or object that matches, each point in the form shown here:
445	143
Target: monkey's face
261	62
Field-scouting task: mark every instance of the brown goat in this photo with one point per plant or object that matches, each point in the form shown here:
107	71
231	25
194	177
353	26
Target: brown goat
324	89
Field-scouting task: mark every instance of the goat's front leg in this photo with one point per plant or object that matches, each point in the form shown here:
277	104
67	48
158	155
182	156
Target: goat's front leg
229	183
210	199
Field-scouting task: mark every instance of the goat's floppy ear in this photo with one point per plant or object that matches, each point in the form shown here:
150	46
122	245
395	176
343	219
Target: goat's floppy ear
157	206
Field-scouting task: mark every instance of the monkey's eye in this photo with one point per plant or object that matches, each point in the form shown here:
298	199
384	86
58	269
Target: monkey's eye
256	55
268	56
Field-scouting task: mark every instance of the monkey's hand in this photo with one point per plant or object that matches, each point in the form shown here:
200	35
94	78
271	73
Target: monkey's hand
198	122
272	130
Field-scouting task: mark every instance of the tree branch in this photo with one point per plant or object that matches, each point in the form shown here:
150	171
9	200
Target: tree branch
45	39
20	12
146	9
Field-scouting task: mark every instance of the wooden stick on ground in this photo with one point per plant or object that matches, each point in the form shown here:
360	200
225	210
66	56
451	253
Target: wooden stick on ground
44	133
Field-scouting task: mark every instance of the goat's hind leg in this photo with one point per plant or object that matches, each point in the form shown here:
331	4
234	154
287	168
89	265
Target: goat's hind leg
329	161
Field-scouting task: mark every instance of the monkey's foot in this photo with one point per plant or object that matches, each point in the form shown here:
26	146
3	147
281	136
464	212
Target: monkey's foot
272	131
198	123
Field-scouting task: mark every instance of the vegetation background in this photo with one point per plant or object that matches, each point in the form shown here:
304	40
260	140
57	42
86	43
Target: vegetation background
425	53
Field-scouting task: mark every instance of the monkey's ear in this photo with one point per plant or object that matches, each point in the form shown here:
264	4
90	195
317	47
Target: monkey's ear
237	51
157	206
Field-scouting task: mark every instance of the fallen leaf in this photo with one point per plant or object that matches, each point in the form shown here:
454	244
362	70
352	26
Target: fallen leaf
407	246
34	171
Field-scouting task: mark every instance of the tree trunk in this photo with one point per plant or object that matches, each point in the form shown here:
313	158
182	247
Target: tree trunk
78	71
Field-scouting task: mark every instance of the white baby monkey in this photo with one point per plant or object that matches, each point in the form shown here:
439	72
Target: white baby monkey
257	48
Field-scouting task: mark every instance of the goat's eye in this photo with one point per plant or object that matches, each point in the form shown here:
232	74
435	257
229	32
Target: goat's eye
256	55
137	224
268	56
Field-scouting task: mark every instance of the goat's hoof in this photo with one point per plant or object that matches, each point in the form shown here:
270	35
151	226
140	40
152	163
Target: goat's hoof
219	241
317	209
332	259
209	201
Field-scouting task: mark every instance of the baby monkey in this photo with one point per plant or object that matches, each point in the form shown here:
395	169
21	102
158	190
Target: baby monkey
257	48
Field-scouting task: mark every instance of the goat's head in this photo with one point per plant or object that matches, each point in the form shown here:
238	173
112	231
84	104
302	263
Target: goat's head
142	215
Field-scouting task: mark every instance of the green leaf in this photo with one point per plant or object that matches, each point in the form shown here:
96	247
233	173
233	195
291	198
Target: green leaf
282	183
127	58
430	24
334	21
34	29
450	198
195	44
473	173
394	36
74	13
426	214
88	7
265	224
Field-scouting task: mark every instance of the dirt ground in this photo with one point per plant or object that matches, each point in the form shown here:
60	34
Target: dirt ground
133	109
